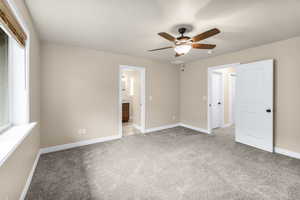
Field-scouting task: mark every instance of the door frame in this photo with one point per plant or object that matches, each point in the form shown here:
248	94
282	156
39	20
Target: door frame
142	71
232	77
210	70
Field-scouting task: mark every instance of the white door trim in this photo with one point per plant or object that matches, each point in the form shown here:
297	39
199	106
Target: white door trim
232	77
142	71
209	88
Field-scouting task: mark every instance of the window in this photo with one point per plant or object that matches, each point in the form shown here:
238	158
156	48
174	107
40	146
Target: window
13	91
4	82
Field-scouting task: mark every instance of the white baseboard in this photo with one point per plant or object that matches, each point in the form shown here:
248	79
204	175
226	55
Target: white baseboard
137	127
78	144
161	128
287	152
29	178
227	125
202	130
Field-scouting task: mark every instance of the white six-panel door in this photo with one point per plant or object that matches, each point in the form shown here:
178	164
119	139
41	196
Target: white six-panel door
216	100
254	104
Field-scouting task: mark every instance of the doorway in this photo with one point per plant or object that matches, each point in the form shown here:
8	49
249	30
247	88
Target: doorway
221	94
131	100
240	101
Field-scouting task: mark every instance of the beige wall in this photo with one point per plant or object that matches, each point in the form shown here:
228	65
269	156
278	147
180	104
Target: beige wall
80	90
193	106
14	172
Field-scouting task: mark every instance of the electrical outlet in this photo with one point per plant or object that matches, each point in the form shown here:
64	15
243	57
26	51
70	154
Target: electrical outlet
6	198
174	117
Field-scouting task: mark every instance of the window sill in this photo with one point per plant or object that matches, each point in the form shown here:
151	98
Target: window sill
12	138
4	128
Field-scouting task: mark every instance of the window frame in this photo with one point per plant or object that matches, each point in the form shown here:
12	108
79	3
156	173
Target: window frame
10	123
9	77
13	122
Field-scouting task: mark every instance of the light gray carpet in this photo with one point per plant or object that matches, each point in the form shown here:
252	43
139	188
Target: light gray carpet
173	164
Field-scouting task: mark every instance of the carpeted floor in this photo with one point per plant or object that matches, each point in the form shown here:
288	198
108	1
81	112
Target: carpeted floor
172	164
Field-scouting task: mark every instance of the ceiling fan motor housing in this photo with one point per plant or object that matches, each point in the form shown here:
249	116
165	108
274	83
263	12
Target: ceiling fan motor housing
182	30
182	37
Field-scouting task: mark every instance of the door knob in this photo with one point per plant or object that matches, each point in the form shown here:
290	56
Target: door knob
268	110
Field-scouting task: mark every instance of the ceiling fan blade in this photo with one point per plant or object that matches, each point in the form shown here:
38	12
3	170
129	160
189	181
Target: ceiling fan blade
177	54
206	34
203	46
167	36
161	48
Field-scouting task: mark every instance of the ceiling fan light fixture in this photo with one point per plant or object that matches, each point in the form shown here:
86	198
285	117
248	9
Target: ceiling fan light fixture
183	48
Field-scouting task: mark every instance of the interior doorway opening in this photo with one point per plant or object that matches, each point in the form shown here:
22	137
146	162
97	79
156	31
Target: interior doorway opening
132	100
221	100
222	97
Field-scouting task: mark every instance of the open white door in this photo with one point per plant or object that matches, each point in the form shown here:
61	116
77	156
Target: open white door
216	100
254	104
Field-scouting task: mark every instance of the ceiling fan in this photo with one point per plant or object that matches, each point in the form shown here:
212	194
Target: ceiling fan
183	44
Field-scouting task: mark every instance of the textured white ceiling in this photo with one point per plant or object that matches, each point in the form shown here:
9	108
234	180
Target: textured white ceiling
131	26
